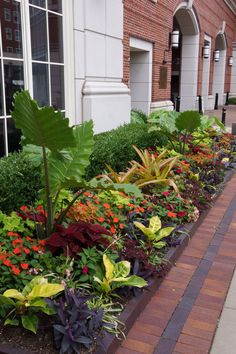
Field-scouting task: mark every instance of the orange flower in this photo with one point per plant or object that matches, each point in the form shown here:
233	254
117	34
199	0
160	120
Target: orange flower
18	240
10	233
171	215
113	230
121	226
116	220
42	242
101	219
17	250
35	248
7	262
24	208
26	250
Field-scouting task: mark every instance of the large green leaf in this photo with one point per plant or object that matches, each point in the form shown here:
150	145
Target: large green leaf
109	267
14	294
67	168
103	184
35	281
130	281
30	322
41	126
155	224
188	121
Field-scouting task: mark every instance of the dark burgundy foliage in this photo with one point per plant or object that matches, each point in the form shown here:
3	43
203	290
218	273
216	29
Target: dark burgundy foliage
77	236
77	327
37	217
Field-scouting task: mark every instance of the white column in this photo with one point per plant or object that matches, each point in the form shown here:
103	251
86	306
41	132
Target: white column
219	77
100	93
189	72
206	76
233	75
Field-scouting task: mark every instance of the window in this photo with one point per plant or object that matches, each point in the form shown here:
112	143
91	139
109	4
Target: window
7	14
33	60
8	33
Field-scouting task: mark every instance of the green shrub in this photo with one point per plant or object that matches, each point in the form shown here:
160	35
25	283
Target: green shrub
19	182
232	100
115	147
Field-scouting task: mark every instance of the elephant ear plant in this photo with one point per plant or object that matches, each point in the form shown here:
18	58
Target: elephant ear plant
64	150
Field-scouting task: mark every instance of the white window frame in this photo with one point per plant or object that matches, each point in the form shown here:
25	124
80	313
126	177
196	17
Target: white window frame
68	52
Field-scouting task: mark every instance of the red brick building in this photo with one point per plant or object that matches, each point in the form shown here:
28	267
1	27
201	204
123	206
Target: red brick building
156	73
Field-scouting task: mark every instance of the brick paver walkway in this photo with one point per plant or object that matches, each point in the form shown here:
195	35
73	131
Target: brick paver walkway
182	315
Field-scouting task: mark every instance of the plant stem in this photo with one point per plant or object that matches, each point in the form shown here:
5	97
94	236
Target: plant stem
49	223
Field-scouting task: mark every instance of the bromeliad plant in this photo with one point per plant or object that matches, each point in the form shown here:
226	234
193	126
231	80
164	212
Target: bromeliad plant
116	275
64	151
154	233
25	305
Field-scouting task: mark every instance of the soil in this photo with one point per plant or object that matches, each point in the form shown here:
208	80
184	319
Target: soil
40	343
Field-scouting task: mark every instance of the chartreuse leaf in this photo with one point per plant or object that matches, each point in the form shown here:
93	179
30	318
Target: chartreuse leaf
130	281
155	224
41	126
146	231
109	267
35	281
14	294
122	269
45	290
30	322
164	233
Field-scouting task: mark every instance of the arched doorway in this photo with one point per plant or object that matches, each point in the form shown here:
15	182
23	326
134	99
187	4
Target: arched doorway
185	58
219	68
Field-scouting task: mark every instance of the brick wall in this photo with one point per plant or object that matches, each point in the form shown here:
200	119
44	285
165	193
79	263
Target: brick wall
152	22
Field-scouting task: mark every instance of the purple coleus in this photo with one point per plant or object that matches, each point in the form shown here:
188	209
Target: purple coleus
77	236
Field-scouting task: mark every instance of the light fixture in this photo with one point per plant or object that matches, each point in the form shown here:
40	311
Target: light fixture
174	39
216	55
231	60
206	51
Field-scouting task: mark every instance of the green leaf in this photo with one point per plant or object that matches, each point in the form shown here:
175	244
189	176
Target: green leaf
6	301
30	322
41	126
129	189
146	231
14	294
37	302
155	224
35	281
10	322
159	244
45	290
122	269
188	121
130	281
67	168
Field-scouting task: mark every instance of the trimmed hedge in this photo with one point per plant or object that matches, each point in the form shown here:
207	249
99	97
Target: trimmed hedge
232	100
115	147
19	182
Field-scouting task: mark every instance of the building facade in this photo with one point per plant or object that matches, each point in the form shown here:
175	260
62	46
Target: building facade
100	58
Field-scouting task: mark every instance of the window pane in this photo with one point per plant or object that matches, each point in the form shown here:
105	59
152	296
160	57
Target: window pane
55	38
13	136
40	3
54	5
11	31
2	138
57	86
14	80
40	81
1	91
38	34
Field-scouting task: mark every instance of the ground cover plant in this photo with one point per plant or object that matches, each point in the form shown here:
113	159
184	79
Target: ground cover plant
72	258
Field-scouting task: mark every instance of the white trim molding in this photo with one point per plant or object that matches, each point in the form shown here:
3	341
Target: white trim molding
232	5
167	105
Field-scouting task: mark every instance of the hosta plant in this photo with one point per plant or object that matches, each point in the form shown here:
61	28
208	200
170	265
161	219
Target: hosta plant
154	233
117	275
24	306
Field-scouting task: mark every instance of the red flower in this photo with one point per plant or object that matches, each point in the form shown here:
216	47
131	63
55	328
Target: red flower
42	242
179	171
121	226
39	208
26	250
17	250
15	270
111	213
7	262
10	233
18	240
181	214
166	194
85	269
171	215
35	248
24	208
24	265
28	238
106	206
101	219
116	220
